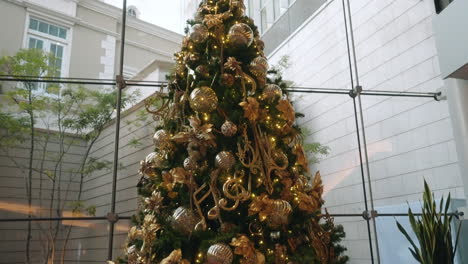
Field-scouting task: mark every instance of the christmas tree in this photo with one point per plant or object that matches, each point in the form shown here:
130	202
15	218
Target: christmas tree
229	180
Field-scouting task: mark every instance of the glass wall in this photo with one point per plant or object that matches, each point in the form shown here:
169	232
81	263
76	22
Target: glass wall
68	190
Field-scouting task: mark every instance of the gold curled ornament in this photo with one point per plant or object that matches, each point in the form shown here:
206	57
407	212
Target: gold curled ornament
234	190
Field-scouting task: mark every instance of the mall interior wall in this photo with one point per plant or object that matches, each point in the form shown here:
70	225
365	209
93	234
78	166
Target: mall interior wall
409	140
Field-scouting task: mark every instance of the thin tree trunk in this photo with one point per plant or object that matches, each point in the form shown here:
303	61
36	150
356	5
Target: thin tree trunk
30	175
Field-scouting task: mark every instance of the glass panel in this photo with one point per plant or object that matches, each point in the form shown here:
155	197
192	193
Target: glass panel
43	27
33	24
53	30
86	241
410	141
62	33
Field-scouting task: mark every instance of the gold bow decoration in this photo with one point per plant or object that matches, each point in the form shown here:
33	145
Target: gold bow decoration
197	136
261	205
246	248
153	203
175	258
309	198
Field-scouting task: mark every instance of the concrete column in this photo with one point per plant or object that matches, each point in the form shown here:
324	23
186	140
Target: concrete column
457	96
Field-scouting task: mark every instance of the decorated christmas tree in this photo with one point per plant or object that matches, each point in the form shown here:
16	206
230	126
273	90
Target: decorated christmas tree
229	180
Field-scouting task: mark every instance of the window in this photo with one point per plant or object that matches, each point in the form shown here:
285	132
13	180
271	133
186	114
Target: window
52	39
271	10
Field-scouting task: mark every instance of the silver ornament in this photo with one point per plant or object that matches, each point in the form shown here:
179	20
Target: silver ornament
219	253
184	220
191	164
259	66
199	33
241	35
158	159
161	138
275	235
225	160
203	99
271	92
229	129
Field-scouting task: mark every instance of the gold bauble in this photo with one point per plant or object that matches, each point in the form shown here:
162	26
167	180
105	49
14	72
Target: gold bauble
259	66
203	71
203	99
199	33
191	164
227	79
219	253
241	35
158	159
225	160
271	92
229	129
184	220
281	210
161	138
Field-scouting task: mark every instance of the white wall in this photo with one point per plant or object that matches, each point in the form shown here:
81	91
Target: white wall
409	138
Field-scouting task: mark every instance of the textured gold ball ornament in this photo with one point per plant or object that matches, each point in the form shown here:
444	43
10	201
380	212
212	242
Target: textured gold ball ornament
259	66
229	129
161	138
281	210
225	160
219	253
184	220
199	33
191	164
241	35
203	99
271	92
158	159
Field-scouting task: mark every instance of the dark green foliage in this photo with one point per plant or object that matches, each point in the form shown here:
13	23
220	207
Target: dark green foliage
433	230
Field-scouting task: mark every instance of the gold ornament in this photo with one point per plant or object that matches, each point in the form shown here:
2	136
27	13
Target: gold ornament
161	138
153	202
259	67
229	129
203	71
280	158
203	99
219	254
174	258
271	93
213	20
234	190
191	164
233	65
184	220
199	33
285	107
238	7
227	79
251	109
301	159
245	248
158	160
147	169
241	35
281	210
225	160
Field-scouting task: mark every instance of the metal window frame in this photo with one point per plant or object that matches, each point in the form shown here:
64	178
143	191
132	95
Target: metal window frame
369	215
